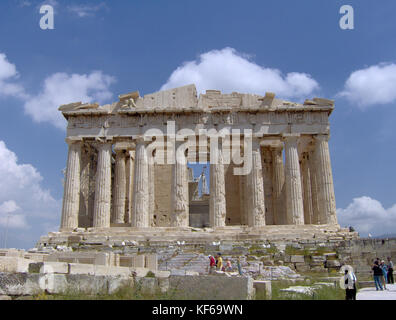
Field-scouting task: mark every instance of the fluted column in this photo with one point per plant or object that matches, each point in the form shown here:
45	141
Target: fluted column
278	180
324	178
102	200
130	169
266	158
120	186
180	205
151	191
294	199
242	199
71	193
140	218
314	190
256	214
306	177
217	202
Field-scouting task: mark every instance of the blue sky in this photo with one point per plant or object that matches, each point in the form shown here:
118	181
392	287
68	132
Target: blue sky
100	49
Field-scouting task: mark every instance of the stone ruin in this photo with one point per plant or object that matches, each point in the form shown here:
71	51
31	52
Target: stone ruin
127	175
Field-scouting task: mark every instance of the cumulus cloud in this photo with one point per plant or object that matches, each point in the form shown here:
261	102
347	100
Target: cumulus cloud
8	217
368	215
53	3
371	86
228	71
22	198
8	76
86	10
63	88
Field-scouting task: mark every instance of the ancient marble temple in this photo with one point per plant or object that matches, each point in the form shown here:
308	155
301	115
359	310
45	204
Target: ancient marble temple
121	173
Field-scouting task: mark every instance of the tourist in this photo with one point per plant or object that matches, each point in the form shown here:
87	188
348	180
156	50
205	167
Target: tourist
377	275
390	271
239	266
212	264
228	266
350	285
219	262
384	277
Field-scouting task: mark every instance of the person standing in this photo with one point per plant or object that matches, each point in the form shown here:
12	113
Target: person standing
239	266
390	271
384	277
212	264
219	262
228	265
377	273
350	285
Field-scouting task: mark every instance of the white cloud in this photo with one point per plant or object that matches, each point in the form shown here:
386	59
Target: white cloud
8	75
63	88
86	10
22	197
371	86
52	3
8	207
228	71
368	215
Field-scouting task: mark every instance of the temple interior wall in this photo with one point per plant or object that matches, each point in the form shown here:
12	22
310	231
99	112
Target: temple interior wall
199	212
233	200
163	194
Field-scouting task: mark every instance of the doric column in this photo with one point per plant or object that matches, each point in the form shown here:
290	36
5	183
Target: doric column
294	200
140	218
306	177
324	179
103	186
130	169
314	192
266	158
278	180
217	202
151	188
242	199
256	213
180	205
71	193
119	186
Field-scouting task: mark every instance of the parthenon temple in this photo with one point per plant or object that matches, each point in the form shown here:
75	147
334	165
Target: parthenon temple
130	163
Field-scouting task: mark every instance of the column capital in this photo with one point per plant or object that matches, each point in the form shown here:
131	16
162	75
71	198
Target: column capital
142	139
101	143
73	140
322	137
290	136
124	146
104	139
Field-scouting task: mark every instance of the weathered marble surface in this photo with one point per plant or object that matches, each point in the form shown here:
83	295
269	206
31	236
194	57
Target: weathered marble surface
119	175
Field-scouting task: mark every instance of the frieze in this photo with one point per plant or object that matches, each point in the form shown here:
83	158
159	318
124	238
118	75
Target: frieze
239	118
